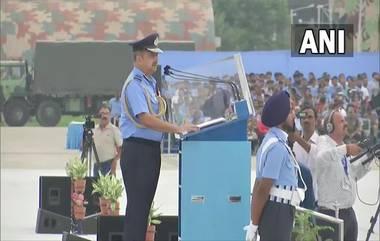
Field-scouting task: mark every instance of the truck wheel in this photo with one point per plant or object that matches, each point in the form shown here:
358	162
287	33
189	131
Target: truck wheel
16	112
48	113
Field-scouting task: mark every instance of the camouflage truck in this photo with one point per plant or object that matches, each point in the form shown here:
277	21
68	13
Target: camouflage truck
68	78
13	76
45	91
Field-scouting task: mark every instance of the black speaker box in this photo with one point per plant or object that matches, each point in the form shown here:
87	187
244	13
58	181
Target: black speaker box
90	224
49	222
71	237
168	229
55	195
110	228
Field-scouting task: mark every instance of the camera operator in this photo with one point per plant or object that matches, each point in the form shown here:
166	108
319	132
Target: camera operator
107	139
306	149
336	176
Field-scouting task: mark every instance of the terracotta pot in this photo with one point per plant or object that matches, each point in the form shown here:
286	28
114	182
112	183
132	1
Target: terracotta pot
116	211
79	212
150	232
79	185
104	206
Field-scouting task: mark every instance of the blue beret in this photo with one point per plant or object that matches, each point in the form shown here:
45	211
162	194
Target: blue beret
149	43
276	109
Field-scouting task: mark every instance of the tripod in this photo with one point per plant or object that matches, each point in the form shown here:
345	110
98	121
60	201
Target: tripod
88	148
373	222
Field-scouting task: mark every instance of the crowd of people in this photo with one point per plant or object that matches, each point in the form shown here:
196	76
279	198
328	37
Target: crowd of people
331	116
317	172
311	125
355	94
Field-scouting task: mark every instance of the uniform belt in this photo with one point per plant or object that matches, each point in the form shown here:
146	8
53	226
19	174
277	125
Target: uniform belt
142	141
284	194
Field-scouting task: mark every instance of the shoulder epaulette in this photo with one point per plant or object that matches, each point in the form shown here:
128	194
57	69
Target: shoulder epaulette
138	77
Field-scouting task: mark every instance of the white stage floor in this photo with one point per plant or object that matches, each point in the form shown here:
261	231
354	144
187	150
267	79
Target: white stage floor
20	194
20	191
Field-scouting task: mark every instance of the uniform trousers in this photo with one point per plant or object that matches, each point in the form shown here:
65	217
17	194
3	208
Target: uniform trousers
350	224
276	222
140	164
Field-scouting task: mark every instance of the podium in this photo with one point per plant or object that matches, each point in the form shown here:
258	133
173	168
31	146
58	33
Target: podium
215	181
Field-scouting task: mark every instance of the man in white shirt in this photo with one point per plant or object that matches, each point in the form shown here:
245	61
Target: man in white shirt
305	147
362	88
373	86
336	176
107	140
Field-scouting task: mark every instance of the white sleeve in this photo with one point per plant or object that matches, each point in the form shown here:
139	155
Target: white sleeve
358	170
313	154
328	153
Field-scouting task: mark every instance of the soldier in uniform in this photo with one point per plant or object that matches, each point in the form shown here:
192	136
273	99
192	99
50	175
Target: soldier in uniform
142	125
275	192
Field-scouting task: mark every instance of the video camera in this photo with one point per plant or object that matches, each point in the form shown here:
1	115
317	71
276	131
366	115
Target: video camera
88	124
301	115
371	147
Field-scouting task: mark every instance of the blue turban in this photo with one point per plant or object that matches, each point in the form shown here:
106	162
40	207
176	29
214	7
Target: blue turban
276	109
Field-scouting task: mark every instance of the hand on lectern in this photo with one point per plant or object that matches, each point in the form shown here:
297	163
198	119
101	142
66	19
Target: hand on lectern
187	127
251	232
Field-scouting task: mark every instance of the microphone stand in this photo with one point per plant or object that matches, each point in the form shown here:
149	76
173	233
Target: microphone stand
373	222
182	75
374	151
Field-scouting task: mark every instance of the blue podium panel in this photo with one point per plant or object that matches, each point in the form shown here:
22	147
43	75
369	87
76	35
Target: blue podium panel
214	190
235	130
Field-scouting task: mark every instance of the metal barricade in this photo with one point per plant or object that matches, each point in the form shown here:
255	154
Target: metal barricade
326	218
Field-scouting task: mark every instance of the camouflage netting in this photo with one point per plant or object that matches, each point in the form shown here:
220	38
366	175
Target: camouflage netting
348	12
25	22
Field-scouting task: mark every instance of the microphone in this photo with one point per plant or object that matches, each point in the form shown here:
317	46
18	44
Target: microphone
182	75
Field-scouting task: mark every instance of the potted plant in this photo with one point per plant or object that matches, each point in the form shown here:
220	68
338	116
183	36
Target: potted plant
115	191
305	229
101	186
152	222
77	170
79	210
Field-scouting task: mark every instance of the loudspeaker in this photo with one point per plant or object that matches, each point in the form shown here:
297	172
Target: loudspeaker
71	237
49	222
90	224
110	228
168	229
55	195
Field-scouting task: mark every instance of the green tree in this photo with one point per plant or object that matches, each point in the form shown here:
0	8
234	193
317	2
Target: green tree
252	24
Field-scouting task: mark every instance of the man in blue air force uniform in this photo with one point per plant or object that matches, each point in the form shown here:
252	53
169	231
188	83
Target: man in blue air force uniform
142	125
275	192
